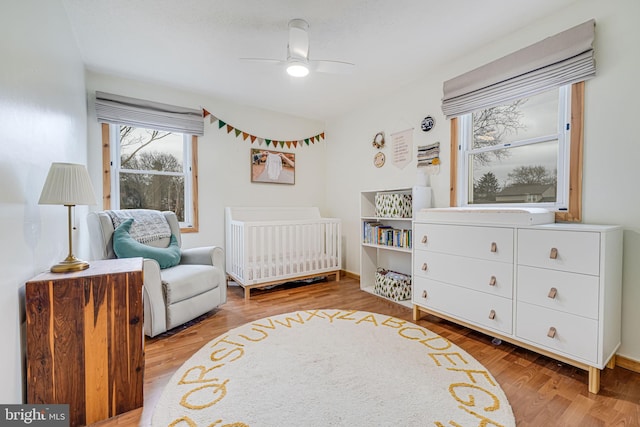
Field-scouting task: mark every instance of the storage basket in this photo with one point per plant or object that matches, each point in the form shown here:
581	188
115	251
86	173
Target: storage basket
393	205
392	285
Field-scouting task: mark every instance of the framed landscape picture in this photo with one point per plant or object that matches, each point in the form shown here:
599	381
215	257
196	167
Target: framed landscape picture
275	167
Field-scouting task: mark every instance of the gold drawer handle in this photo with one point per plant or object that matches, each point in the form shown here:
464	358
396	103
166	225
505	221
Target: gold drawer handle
424	294
552	332
554	253
424	267
494	247
424	239
552	293
492	281
492	314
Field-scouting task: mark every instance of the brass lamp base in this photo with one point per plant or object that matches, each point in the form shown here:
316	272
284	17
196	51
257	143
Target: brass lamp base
70	264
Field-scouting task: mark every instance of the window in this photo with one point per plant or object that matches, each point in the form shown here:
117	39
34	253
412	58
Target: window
523	153
151	169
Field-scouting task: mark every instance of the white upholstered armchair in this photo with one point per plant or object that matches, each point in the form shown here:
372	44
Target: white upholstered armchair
173	295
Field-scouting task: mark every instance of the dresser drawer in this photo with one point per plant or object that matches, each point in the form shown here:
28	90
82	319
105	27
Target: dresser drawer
491	243
574	251
558	290
492	277
575	336
471	306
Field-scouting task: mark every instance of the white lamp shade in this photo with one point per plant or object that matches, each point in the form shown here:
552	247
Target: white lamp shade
67	184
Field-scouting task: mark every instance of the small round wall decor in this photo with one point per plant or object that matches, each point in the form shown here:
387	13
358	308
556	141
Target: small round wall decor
378	159
427	123
378	140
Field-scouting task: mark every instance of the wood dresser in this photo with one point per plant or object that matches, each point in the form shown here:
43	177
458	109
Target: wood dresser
552	288
85	342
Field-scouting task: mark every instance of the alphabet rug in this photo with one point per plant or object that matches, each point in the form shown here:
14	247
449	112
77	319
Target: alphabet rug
332	368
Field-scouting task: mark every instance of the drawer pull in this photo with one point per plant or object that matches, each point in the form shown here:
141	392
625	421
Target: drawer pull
492	314
494	247
554	253
424	267
552	332
492	281
424	239
552	293
424	294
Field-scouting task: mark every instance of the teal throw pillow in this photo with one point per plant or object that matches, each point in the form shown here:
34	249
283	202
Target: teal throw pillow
126	246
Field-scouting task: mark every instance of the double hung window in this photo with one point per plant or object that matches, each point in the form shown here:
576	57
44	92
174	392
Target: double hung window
149	156
517	126
152	169
517	152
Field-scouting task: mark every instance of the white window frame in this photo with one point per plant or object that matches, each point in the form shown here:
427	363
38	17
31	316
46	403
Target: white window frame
189	222
563	136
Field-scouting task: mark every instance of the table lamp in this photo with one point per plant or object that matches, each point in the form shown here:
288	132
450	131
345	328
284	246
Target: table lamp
68	184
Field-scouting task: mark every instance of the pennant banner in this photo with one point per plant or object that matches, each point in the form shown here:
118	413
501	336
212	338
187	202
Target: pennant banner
246	135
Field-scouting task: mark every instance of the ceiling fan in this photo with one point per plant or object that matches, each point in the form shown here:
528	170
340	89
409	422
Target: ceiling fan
298	63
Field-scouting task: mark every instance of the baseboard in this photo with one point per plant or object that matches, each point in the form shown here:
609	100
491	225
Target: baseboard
630	364
350	275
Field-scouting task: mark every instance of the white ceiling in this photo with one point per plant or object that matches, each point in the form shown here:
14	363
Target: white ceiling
196	44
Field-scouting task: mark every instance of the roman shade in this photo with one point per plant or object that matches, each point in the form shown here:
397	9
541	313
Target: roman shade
119	109
558	60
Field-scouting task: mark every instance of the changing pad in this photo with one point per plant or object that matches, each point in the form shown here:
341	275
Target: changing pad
484	215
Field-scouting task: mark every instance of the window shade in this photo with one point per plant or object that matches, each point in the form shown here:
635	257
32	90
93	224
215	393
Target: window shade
118	109
562	59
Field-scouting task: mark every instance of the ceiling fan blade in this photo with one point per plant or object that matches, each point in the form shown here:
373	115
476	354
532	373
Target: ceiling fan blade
298	39
263	60
333	67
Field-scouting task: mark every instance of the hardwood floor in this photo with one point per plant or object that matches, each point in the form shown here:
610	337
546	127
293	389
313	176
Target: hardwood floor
542	392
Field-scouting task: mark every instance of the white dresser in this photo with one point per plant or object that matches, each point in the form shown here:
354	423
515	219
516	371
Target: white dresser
552	288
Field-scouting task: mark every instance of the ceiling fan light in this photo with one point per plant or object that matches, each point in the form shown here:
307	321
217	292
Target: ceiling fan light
297	69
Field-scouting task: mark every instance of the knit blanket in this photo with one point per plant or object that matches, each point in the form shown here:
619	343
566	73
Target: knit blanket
148	225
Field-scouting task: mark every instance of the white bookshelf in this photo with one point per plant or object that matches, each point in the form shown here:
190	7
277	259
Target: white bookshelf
389	257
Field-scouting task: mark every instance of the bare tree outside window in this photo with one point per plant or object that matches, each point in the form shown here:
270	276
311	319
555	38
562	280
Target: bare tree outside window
513	151
151	170
492	125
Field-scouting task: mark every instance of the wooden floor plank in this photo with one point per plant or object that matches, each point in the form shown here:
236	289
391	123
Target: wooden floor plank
541	391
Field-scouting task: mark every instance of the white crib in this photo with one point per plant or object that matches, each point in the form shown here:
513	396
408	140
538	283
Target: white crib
269	246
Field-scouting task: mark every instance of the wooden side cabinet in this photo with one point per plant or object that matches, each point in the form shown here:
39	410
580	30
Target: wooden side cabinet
85	339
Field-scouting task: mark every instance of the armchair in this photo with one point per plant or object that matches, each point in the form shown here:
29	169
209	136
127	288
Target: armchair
174	295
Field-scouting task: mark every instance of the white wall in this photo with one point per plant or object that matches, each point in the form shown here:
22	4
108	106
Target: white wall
612	142
224	159
42	119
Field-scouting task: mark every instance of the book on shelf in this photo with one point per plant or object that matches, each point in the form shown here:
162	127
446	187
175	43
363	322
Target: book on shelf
377	233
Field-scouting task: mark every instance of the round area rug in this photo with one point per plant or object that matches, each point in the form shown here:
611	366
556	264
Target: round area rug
332	368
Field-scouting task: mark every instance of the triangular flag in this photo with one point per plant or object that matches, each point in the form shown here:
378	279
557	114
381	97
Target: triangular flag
245	136
295	144
238	131
221	124
281	144
212	119
260	141
253	138
322	135
205	113
306	141
288	144
268	141
229	128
